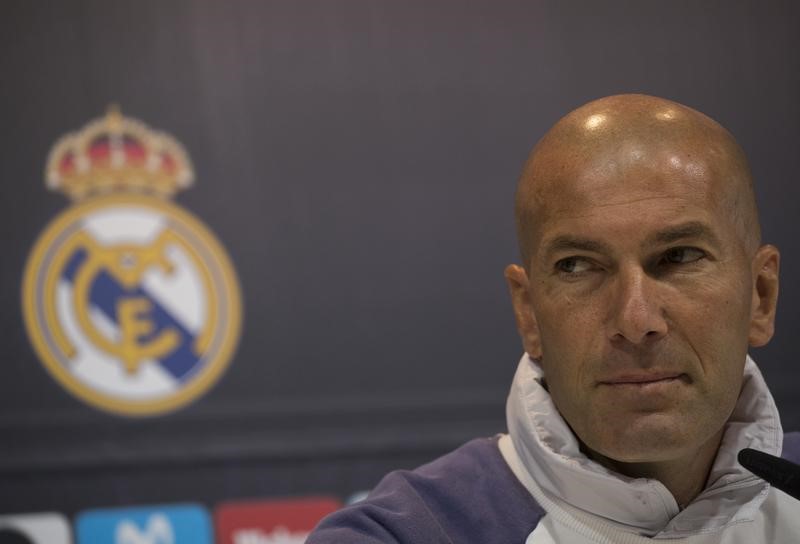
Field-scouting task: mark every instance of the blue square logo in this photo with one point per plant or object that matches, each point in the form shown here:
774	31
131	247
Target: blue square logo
166	524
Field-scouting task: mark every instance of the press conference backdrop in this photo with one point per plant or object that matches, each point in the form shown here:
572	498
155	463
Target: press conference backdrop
356	163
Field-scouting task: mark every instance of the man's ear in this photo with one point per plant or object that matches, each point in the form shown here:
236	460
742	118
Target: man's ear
527	326
766	264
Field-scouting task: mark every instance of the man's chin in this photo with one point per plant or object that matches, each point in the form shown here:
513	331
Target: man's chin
660	439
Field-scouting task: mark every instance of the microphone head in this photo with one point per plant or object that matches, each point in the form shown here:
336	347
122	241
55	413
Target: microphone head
777	472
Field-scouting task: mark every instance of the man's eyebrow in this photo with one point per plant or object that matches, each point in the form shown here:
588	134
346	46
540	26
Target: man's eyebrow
570	243
689	230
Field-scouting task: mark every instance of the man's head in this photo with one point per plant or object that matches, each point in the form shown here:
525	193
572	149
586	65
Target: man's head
643	282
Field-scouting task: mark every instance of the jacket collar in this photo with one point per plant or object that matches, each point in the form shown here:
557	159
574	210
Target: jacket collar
550	453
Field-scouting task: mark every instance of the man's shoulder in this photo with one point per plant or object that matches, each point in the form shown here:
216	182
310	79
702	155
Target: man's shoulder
468	495
791	447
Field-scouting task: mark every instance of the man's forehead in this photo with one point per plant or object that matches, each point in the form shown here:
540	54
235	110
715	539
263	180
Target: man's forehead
632	162
663	179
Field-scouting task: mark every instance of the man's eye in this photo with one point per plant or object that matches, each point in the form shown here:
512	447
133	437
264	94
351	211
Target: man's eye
683	255
573	265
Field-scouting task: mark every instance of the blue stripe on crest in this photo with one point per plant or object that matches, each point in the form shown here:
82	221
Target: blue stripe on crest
104	294
73	263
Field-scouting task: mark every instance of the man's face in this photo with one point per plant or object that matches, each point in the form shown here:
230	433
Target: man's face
642	292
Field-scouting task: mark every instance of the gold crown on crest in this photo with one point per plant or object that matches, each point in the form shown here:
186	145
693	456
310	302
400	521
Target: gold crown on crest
118	154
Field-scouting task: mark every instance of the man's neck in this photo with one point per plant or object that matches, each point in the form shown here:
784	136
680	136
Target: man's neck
685	476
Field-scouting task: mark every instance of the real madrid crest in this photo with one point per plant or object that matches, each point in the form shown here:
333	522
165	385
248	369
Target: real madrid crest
130	301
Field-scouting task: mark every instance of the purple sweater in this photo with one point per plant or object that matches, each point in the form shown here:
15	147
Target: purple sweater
469	495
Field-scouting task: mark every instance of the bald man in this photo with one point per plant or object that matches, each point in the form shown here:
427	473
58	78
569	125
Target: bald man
643	282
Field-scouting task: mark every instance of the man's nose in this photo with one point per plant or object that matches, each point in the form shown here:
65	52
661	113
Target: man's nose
637	311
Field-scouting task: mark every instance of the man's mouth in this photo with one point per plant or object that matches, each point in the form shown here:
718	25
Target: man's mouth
642	379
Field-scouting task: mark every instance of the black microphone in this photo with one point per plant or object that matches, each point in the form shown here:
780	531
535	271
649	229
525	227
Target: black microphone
777	472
